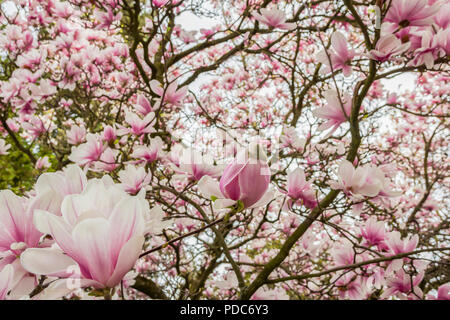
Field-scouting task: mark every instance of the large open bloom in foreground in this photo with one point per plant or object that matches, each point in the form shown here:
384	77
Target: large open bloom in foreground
101	231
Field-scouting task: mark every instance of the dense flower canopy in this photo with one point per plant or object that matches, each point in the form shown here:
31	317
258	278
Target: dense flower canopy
211	149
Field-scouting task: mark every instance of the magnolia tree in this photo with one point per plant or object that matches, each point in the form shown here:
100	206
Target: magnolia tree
211	149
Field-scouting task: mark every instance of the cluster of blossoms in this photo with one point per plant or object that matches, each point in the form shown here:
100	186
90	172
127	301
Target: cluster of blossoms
96	232
265	155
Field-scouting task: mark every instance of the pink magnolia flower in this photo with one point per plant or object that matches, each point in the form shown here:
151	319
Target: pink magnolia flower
109	134
134	178
63	9
397	245
42	163
4	147
444	292
430	49
208	32
100	232
137	125
333	111
88	152
442	17
76	135
6	280
17	231
343	253
31	58
443	38
159	3
387	47
108	160
299	190
171	94
402	285
34	126
339	57
273	18
150	153
187	36
13	125
106	19
52	187
364	181
354	289
196	165
155	222
373	232
245	179
406	13
143	106
10	89
290	138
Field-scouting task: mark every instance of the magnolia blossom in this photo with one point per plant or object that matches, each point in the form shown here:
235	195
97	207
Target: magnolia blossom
444	292
365	181
402	285
134	178
150	153
430	49
143	106
442	17
15	279
106	19
343	253
171	94
109	134
406	13
107	161
34	126
245	179
4	147
17	231
100	234
336	111
87	152
339	57
6	280
187	36
290	138
42	163
51	188
196	165
137	125
387	47
156	221
299	190
76	135
354	287
273	18
373	232
159	3
397	245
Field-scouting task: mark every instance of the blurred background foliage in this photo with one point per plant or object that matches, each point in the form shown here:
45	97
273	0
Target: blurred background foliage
17	172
